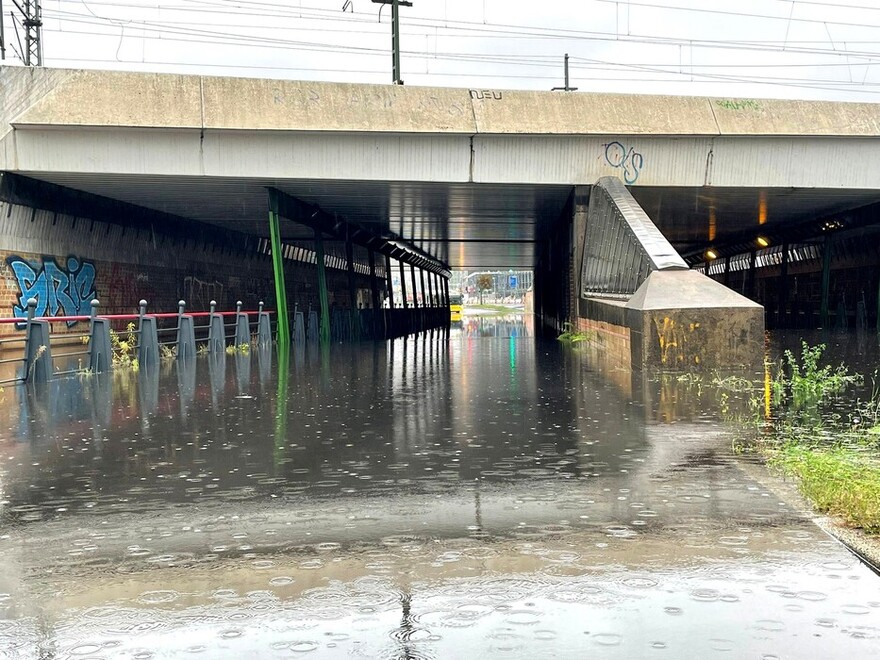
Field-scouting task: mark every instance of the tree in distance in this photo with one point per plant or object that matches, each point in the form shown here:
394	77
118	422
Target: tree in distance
484	283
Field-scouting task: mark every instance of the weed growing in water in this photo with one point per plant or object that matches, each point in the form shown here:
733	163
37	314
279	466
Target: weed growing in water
571	336
123	348
808	383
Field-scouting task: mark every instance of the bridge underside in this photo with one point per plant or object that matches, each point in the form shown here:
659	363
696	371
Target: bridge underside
463	225
481	225
735	235
773	198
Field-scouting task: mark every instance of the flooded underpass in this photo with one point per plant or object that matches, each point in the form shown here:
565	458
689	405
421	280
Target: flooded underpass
476	492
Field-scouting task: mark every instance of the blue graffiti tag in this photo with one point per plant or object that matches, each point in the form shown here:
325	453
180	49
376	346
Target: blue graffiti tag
58	292
629	160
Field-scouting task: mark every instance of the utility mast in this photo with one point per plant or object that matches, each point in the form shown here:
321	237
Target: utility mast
395	35
566	88
30	18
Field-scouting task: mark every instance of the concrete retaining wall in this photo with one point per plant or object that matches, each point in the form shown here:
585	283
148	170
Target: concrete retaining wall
66	260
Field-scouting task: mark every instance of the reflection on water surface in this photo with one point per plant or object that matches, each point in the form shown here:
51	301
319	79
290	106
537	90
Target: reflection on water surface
450	495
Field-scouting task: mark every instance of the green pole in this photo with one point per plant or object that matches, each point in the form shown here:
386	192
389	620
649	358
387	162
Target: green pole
324	332
283	332
281	406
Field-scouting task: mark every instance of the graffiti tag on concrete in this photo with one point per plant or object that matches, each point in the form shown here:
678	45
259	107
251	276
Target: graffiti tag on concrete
629	160
58	291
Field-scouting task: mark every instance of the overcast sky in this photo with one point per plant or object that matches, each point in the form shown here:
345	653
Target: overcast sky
825	49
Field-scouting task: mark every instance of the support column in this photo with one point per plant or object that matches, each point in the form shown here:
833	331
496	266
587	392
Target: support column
402	284
354	314
388	282
375	311
727	271
282	328
750	285
826	282
374	285
388	316
323	297
431	300
580	211
412	272
425	301
783	286
446	290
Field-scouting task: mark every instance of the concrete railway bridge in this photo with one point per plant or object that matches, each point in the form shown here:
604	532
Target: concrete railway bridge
666	224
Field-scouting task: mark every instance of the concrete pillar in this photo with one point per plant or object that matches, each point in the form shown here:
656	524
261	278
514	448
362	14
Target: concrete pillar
412	271
750	285
374	285
580	212
354	314
323	296
388	282
826	282
403	284
783	287
425	301
388	315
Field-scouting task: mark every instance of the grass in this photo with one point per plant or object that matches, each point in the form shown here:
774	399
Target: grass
826	442
500	309
841	481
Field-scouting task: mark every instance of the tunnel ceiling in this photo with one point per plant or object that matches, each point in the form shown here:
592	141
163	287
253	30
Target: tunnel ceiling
685	214
466	225
463	225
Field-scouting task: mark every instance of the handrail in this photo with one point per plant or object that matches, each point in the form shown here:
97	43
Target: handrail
121	317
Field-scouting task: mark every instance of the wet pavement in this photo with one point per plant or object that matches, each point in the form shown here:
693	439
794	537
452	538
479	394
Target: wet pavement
455	495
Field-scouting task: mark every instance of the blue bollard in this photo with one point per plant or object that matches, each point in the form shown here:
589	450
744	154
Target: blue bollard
242	327
37	349
264	327
216	331
186	333
100	353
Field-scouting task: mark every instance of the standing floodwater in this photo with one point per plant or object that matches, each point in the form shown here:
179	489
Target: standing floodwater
452	495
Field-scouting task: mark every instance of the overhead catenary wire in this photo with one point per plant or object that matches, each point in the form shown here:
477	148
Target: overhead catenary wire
241	24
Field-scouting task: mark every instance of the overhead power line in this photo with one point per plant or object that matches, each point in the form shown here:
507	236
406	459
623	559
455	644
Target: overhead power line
263	25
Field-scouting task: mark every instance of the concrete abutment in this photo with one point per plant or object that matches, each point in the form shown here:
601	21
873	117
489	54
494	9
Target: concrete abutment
628	289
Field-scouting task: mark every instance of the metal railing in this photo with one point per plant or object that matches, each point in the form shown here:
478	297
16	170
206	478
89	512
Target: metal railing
621	244
179	332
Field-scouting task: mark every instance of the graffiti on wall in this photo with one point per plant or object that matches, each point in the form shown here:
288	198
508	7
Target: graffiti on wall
198	294
59	291
628	160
